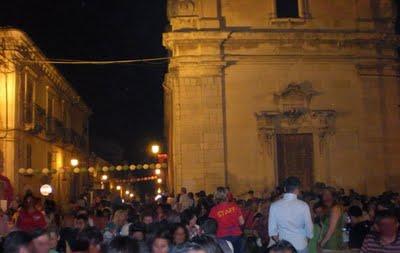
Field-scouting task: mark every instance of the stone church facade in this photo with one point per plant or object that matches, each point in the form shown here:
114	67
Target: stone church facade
258	90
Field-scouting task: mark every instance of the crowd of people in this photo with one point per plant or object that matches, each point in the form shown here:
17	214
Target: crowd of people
284	220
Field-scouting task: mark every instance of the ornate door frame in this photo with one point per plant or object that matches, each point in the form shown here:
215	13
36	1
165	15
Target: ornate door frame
294	116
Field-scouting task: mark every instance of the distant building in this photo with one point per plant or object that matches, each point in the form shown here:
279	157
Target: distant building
259	90
43	121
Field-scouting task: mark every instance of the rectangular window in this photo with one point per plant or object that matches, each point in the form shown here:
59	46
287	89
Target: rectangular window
29	156
49	160
287	8
28	98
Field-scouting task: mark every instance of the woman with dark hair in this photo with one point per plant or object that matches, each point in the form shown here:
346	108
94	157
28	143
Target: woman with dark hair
229	218
180	234
207	244
161	242
333	222
189	219
122	244
29	218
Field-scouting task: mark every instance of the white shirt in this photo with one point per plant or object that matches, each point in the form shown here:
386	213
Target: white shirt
185	202
290	219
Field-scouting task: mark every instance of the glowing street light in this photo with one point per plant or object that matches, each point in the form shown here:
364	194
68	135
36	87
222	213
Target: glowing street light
155	149
46	190
104	177
127	192
131	195
159	180
158	171
159	191
118	188
74	162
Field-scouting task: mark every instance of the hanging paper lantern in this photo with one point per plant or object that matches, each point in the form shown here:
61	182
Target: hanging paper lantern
21	171
105	168
125	167
152	166
91	169
29	171
139	167
119	168
145	166
158	166
77	170
132	167
112	168
45	171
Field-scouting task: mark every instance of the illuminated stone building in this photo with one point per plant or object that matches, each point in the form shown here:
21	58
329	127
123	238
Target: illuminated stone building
258	90
43	121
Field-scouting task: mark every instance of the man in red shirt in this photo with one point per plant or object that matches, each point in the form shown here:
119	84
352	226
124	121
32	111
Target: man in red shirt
229	218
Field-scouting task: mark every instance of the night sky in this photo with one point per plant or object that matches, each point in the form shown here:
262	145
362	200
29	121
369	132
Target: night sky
126	99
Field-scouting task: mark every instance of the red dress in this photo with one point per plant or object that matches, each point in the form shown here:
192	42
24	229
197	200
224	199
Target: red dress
29	221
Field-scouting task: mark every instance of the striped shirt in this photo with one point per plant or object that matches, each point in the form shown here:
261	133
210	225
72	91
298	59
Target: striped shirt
372	244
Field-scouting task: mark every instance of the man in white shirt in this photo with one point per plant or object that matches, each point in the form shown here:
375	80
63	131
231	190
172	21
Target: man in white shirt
290	218
185	201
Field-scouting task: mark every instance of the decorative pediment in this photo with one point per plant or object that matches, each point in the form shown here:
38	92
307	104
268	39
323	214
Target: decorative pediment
295	97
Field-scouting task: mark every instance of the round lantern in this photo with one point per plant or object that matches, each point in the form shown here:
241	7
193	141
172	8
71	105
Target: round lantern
45	171
119	168
158	166
21	171
91	169
105	168
145	166
77	170
132	167
29	171
46	190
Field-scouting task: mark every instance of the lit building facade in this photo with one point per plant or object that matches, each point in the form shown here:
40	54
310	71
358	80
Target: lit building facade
259	90
43	121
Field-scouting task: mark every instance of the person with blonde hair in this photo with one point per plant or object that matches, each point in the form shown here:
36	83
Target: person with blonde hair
229	218
118	226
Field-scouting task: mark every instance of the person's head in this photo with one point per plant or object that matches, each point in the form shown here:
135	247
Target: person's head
161	242
385	204
94	237
191	247
386	223
355	213
318	210
120	217
292	185
189	218
183	190
207	244
251	194
17	242
81	222
209	227
137	231
147	218
180	234
28	202
41	241
54	236
282	247
329	197
221	195
123	245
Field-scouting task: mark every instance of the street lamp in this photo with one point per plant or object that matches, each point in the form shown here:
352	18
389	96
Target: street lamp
127	192
74	162
104	178
131	195
118	187
155	149
158	171
159	180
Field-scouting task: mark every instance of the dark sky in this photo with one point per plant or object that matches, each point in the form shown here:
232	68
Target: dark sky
126	99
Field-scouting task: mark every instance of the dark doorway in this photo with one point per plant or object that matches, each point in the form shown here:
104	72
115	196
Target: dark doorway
295	157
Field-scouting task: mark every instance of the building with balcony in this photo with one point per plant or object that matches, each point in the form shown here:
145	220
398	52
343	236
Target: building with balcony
43	121
258	90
